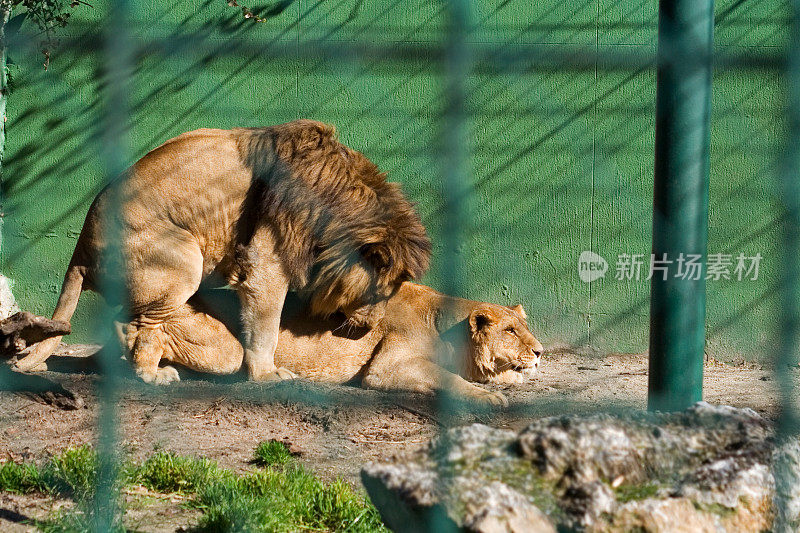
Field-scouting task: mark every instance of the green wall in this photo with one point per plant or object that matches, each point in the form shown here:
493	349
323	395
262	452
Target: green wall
562	158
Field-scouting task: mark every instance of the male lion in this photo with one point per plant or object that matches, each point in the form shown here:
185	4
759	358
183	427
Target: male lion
483	342
310	214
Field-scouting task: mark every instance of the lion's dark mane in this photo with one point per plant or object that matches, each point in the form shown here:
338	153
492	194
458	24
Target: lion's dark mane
331	207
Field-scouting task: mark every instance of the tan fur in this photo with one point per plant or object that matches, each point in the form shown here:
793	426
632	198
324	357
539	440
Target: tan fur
481	342
269	210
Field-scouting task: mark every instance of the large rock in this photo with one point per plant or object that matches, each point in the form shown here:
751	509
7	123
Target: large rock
705	469
8	305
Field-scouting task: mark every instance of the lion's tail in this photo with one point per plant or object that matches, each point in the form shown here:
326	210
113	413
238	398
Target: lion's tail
65	308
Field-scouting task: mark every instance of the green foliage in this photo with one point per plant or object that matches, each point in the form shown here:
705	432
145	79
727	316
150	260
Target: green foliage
12	71
226	507
20	479
78	520
166	472
71	473
287	499
271	452
47	15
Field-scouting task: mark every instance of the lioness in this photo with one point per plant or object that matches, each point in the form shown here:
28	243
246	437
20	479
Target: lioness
399	352
309	213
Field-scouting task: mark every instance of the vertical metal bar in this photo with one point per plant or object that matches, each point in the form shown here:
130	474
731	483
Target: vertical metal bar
454	154
788	200
455	188
119	67
680	201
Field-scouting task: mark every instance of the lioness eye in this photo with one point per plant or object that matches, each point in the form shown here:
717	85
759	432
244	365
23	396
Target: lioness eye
510	330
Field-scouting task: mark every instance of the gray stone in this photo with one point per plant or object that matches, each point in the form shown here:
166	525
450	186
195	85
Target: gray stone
705	469
496	508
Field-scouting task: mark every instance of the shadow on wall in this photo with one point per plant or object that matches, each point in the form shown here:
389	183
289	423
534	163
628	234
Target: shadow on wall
561	159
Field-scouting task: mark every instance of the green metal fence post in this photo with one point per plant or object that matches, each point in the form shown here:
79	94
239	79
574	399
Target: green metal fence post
119	60
789	201
680	202
788	356
454	187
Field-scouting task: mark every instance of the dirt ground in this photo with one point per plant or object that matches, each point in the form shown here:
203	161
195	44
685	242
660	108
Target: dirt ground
335	429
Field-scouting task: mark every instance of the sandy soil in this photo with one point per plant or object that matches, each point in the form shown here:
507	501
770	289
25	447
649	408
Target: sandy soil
335	429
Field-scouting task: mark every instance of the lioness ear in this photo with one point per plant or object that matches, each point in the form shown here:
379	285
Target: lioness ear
377	255
518	308
479	320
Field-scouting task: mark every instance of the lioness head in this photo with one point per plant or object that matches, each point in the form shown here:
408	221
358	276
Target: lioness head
501	347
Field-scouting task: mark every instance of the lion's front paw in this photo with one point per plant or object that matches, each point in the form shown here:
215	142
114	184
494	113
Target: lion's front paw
279	374
162	376
509	377
167	374
490	397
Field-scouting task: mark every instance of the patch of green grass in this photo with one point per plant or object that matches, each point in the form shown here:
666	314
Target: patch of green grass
166	472
271	452
78	520
287	499
71	473
20	479
226	507
281	497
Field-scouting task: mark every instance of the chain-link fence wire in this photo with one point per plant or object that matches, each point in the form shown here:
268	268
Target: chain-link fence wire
525	139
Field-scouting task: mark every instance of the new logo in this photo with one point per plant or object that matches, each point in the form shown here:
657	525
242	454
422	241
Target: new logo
591	266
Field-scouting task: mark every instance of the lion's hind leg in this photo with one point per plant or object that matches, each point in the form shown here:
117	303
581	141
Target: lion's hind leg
201	342
190	338
164	269
146	354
